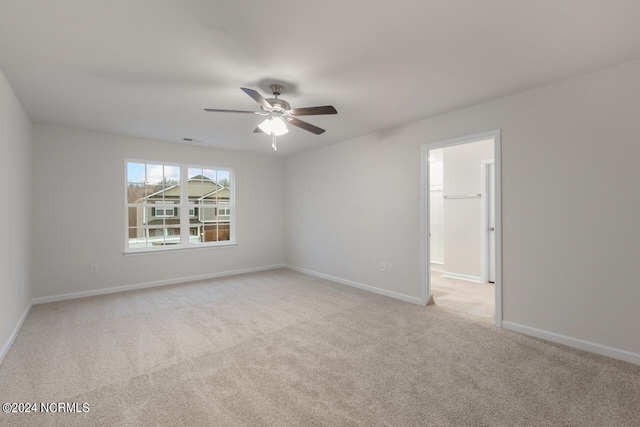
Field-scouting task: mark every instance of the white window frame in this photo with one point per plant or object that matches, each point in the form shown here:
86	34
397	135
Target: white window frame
184	209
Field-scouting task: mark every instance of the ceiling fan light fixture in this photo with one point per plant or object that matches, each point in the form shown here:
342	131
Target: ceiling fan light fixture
274	125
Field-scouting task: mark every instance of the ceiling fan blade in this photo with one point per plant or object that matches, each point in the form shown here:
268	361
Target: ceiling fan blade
306	126
314	111
258	98
216	110
258	130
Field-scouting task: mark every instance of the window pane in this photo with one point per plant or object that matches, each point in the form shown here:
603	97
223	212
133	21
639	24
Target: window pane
164	231
209	185
155	194
155	174
137	237
209	174
224	194
168	194
135	173
224	213
135	217
207	213
224	178
147	213
210	233
155	236
193	172
135	193
172	236
150	190
224	233
195	184
172	175
194	235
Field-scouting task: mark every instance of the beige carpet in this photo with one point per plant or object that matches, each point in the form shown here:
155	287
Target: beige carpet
284	349
476	299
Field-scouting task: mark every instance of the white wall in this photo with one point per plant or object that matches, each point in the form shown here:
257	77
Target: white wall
436	207
79	193
16	166
462	238
570	205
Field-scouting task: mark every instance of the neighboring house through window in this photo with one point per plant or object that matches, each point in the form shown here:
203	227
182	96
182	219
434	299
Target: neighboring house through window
162	213
164	210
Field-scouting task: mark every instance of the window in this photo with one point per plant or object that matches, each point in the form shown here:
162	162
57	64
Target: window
210	188
162	213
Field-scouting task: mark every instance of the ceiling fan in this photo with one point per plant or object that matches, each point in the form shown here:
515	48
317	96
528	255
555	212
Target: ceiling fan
279	113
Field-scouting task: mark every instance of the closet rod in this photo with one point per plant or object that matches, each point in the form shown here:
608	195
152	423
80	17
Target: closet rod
463	196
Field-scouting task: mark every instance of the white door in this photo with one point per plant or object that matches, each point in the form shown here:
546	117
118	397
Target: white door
491	220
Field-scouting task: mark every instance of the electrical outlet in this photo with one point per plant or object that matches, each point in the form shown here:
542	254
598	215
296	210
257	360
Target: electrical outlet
94	268
383	266
390	268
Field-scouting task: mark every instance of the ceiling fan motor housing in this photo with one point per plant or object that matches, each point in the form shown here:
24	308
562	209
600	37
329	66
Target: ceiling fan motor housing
279	104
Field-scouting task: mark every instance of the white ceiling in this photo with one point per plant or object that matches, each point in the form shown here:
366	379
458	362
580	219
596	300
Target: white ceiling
148	68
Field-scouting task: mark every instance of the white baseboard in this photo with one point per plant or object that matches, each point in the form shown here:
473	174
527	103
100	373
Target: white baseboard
104	291
466	277
437	266
7	345
358	285
604	350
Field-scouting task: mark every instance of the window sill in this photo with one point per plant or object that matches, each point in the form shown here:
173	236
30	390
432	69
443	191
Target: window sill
148	251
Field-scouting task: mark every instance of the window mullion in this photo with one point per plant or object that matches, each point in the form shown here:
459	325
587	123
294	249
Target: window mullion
184	206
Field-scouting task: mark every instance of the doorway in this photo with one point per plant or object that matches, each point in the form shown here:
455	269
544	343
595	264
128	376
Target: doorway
462	250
